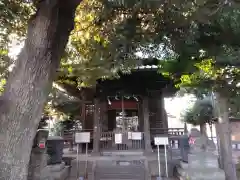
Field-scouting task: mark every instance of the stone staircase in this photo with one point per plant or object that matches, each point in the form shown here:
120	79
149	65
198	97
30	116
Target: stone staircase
120	170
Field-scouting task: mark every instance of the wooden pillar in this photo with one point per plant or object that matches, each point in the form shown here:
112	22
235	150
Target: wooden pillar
83	116
104	116
164	114
111	120
96	126
140	117
147	140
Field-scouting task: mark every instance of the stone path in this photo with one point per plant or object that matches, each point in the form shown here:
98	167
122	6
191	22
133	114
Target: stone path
164	178
236	156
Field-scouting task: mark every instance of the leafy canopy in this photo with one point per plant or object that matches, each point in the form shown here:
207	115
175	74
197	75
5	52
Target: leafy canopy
195	41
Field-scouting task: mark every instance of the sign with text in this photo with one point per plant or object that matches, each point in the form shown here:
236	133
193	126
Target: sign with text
129	135
160	141
82	137
118	138
136	136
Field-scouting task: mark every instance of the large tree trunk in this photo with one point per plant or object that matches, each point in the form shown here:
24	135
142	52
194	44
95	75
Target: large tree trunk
203	129
224	133
30	82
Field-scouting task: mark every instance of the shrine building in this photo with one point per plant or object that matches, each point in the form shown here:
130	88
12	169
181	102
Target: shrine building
131	105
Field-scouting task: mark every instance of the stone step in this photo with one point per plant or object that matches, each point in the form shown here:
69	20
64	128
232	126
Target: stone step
121	162
124	176
56	167
63	175
80	168
183	165
117	179
117	176
196	174
56	175
125	172
120	170
119	173
123	153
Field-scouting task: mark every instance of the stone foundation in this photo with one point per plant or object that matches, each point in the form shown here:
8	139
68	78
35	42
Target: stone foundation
58	171
38	168
201	166
81	169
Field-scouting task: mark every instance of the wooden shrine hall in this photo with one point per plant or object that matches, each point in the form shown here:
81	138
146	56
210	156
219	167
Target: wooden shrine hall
129	111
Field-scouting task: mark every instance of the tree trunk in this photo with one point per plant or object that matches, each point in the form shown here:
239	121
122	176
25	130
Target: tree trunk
203	129
30	82
224	133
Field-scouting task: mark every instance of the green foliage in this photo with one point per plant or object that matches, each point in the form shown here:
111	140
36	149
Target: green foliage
200	113
196	43
2	84
64	125
14	15
107	36
203	110
212	62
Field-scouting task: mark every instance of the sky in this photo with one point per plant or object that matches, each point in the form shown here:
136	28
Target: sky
175	107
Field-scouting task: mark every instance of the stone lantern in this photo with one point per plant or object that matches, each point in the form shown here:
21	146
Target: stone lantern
55	145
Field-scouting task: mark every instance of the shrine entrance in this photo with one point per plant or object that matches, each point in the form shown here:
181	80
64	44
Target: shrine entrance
123	126
127	121
129	111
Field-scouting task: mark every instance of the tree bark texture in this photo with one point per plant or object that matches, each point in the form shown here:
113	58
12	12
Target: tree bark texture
203	129
29	84
224	134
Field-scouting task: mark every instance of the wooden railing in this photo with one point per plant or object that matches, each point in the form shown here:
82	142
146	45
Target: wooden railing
169	131
69	135
107	141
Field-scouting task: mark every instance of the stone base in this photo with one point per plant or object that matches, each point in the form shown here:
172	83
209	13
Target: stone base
194	174
61	175
122	153
200	167
55	172
80	168
208	159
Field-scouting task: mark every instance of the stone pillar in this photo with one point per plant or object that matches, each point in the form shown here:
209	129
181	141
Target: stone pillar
96	127
147	140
